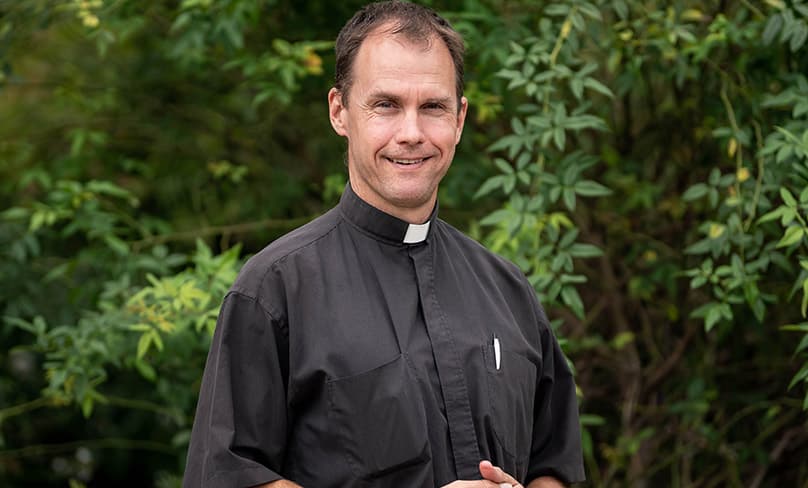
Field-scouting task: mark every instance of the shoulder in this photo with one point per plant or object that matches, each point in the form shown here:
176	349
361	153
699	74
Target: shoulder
493	271
480	256
259	268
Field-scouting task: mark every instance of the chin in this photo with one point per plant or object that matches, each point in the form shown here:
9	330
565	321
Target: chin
409	200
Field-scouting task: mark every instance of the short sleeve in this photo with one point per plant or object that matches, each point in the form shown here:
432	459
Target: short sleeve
556	446
240	427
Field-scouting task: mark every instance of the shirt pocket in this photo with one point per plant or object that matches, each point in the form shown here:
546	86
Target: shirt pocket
379	419
511	391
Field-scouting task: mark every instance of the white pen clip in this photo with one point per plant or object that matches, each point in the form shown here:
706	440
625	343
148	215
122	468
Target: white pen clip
497	353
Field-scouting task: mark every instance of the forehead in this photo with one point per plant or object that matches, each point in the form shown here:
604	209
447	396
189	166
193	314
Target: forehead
394	60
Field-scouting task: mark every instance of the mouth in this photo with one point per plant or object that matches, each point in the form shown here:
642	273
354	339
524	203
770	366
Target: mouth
407	162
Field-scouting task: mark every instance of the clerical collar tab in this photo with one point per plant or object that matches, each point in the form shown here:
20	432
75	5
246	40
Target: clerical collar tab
381	225
416	233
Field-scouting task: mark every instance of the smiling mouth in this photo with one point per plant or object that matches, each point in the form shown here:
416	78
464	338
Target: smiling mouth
407	162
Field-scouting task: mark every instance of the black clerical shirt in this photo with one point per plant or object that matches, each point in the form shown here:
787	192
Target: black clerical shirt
346	357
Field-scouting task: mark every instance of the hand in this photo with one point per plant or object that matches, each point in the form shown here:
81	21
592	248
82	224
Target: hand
279	484
495	474
493	477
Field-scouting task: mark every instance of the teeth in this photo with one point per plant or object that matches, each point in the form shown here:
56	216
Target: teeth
406	161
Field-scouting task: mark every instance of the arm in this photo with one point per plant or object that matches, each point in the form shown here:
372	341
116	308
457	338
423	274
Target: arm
239	431
556	451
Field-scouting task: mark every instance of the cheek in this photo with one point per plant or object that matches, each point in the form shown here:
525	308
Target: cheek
443	134
377	134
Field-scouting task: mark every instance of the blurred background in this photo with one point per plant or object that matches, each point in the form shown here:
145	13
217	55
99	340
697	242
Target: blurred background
644	162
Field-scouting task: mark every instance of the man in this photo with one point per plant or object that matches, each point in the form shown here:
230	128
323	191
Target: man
377	346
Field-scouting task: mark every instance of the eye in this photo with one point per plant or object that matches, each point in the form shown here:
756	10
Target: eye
434	107
384	105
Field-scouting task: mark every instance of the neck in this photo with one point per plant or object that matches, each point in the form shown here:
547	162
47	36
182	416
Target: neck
412	215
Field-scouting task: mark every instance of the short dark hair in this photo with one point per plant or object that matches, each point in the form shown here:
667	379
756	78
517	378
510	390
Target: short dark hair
415	22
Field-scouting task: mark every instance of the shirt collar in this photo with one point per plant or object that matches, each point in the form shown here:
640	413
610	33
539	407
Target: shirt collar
380	224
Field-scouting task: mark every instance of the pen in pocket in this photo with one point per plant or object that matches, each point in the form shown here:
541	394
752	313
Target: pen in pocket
497	352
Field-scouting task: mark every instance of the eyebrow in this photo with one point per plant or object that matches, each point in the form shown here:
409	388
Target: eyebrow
381	95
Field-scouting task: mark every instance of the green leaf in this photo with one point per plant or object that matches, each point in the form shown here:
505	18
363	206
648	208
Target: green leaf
759	309
712	318
773	26
698	282
799	36
715	177
622	339
489	185
566	279
87	406
599	87
701	247
802	375
590	419
590	11
503	166
568	238
582	250
577	21
577	87
571	298
15	213
711	313
145	369
496	217
578	122
116	244
773	215
788	198
800	109
108	188
620	7
589	188
37	221
803	345
158	341
507	142
791	236
783	153
695	192
568	196
559	138
524	177
557	10
789	214
804	297
143	345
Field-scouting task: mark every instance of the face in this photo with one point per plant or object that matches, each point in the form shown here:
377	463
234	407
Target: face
402	122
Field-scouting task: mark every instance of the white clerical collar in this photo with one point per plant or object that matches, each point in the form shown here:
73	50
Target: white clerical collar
416	233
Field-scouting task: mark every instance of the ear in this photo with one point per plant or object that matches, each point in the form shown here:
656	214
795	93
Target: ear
461	118
337	112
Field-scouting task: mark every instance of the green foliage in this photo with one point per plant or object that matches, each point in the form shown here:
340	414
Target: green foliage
689	133
645	164
132	329
539	174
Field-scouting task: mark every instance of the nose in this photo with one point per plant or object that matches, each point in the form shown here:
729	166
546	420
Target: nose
410	131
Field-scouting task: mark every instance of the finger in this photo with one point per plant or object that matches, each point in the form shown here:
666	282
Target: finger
478	484
497	475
